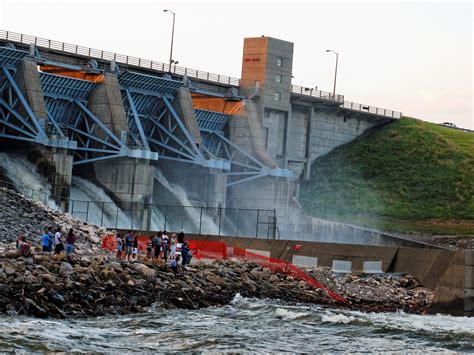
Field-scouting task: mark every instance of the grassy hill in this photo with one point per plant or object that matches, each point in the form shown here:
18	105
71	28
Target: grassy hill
408	176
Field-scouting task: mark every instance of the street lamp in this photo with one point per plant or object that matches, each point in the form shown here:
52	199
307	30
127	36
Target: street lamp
172	38
335	73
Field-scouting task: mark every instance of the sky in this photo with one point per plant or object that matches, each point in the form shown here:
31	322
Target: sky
413	57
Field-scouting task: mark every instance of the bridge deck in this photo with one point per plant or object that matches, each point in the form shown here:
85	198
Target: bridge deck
192	73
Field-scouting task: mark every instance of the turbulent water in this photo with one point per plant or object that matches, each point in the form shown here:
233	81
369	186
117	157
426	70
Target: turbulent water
244	325
84	197
180	218
27	180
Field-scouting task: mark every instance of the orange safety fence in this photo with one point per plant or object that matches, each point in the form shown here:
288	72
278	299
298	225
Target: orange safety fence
203	249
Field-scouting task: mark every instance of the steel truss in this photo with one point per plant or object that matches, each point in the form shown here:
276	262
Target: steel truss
17	120
244	167
155	124
66	106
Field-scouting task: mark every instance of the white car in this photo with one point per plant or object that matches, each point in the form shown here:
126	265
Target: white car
448	124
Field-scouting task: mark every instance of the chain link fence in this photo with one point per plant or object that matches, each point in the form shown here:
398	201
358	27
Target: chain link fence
257	223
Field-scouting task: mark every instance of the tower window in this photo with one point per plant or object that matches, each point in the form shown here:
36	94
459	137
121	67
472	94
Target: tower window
278	78
277	96
279	62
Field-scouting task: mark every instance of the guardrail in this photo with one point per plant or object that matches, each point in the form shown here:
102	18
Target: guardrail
371	109
192	73
119	58
296	89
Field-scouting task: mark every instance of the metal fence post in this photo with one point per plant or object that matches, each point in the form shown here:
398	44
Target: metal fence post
220	218
87	213
102	217
116	218
238	221
166	216
256	229
200	222
274	224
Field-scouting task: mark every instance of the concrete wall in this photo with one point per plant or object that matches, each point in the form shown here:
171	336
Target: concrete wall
129	181
54	164
331	130
469	283
440	270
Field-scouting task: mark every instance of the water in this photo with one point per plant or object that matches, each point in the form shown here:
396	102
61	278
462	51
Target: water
91	203
26	179
245	325
178	218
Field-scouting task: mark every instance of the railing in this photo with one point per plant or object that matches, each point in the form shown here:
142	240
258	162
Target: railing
192	73
119	58
371	109
296	89
258	223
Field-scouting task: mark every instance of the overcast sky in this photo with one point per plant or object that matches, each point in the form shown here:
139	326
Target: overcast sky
410	57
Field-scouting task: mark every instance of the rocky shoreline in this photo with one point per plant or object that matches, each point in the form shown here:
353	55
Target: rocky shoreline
42	286
93	283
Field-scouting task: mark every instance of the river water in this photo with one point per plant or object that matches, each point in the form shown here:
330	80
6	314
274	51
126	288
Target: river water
245	325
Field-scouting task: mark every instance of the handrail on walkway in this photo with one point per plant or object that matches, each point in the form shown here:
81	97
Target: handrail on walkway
192	73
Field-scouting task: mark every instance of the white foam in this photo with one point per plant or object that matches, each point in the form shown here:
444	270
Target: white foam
337	318
288	315
413	322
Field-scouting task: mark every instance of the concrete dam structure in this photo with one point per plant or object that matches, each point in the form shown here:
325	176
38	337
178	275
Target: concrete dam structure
142	130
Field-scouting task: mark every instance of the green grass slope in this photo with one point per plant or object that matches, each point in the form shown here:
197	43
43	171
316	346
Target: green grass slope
408	176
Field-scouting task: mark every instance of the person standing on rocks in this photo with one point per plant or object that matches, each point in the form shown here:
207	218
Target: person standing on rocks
173	246
135	247
181	237
70	240
51	238
46	241
185	251
157	246
58	242
119	246
128	245
165	245
149	248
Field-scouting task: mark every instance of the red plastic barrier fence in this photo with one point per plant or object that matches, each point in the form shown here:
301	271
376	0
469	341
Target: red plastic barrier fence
218	250
203	249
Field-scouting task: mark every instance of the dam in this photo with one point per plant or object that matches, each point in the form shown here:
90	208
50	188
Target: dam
149	137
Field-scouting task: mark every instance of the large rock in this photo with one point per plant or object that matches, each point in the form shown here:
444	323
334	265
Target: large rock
143	269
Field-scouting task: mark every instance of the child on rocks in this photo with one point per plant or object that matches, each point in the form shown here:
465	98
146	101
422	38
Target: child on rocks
174	264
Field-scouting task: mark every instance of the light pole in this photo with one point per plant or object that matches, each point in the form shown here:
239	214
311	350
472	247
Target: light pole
335	73
172	37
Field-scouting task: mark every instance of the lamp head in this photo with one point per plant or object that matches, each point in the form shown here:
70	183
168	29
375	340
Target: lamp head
165	10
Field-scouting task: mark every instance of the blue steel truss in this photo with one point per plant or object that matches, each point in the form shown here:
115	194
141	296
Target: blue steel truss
17	120
155	127
153	121
66	106
243	166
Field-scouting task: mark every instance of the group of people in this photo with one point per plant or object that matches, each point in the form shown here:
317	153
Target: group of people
49	241
57	241
159	246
